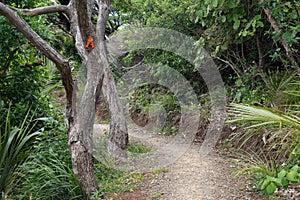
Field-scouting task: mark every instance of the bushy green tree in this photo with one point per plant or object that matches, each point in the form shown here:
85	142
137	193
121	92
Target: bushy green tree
239	34
23	69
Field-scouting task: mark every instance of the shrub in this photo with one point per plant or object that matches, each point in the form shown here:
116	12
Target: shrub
274	138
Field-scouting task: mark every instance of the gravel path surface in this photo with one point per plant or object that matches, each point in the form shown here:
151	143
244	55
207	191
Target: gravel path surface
188	178
191	177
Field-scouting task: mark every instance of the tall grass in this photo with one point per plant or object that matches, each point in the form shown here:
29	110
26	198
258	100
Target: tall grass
15	147
48	174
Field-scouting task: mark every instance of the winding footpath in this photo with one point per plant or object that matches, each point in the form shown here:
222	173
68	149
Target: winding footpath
191	177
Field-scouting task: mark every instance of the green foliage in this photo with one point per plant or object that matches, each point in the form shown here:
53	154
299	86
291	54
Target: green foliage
21	88
270	88
15	147
274	135
269	181
233	31
22	74
248	88
276	85
262	116
236	32
111	180
137	148
48	174
145	98
284	178
24	71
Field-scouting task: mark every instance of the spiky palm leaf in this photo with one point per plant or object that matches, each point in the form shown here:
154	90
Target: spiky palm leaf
261	116
14	148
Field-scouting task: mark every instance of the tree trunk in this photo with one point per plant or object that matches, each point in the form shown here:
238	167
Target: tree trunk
81	131
118	127
80	135
99	76
79	121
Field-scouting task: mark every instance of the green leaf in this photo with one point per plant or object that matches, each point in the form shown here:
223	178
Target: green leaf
282	174
236	24
223	18
231	4
244	33
295	168
285	182
260	24
293	176
243	113
270	189
215	3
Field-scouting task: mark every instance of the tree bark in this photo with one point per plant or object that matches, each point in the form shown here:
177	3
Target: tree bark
42	10
118	126
99	76
80	135
261	62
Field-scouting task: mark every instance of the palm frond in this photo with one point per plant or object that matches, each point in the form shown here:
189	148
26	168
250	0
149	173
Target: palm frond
261	116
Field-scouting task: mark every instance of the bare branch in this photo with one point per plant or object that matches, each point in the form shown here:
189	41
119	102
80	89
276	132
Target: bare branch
102	18
32	36
134	66
235	69
43	10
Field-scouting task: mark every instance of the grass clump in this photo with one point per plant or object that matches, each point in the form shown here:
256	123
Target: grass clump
111	180
136	148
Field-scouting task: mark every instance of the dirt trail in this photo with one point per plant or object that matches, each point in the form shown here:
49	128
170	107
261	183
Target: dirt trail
191	177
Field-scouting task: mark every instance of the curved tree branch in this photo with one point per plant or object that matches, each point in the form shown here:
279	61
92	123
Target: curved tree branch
43	10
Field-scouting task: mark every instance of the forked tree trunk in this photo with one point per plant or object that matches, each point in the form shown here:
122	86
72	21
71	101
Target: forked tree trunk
99	75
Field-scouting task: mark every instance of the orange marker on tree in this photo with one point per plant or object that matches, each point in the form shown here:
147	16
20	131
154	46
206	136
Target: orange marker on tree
89	44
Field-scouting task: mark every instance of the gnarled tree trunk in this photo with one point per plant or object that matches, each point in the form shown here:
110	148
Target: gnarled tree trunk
79	121
99	75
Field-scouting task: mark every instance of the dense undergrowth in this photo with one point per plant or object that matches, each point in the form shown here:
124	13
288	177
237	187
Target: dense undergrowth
268	133
42	169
